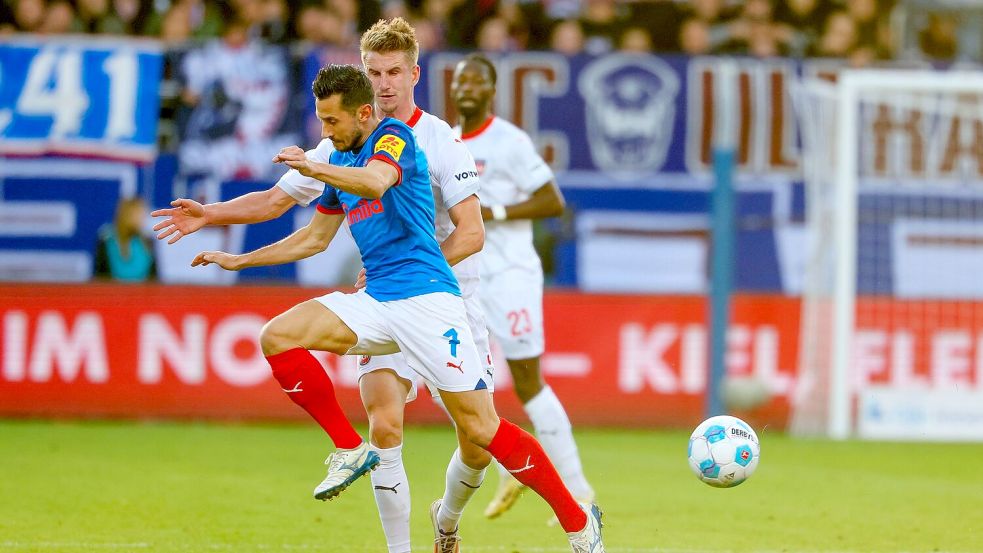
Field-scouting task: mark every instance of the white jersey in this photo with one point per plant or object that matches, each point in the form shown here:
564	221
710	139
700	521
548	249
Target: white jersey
453	177
511	170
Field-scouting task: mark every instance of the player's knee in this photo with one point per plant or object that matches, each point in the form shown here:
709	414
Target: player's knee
474	456
477	430
384	432
274	339
528	390
526	378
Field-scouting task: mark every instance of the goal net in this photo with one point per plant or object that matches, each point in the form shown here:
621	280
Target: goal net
891	336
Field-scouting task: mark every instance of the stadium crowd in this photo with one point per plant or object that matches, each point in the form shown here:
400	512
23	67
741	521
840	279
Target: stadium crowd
858	30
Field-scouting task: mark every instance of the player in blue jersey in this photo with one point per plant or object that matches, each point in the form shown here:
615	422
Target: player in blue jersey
378	181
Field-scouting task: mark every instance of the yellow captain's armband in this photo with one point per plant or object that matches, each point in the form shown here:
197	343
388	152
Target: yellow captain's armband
391	144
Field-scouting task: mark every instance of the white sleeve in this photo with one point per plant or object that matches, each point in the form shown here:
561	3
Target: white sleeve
455	172
195	72
306	189
528	170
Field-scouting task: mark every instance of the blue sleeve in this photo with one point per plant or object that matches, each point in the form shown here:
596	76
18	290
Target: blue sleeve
397	147
329	202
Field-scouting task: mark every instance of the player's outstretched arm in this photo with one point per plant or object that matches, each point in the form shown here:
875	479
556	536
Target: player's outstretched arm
313	238
468	236
188	216
546	201
369	182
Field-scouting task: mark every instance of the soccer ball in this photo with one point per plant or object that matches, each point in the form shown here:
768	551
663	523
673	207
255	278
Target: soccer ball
723	451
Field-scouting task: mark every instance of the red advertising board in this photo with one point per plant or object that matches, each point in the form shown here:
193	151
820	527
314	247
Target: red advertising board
190	352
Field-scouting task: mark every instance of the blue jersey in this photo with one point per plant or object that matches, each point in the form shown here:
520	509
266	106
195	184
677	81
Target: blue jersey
395	233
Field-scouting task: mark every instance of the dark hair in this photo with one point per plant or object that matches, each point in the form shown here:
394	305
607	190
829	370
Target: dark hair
483	60
348	80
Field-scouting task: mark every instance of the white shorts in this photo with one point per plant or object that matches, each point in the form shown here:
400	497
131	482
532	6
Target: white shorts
431	331
397	363
513	302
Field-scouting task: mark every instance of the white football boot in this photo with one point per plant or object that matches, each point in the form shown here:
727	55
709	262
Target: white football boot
344	467
588	540
508	492
443	542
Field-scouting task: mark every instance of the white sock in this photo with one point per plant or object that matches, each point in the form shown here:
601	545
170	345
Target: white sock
392	497
462	482
503	473
556	435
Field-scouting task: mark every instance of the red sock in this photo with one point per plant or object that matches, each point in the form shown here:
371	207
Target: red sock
525	459
306	383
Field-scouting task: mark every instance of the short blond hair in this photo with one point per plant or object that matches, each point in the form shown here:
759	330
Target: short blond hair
391	35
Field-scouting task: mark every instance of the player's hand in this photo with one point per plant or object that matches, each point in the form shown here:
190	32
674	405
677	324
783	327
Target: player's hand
186	217
295	158
360	280
224	260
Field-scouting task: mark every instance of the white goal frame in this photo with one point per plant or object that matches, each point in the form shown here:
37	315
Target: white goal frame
853	85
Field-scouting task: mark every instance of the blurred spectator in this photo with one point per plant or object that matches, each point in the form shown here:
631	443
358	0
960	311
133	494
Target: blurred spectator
537	24
515	19
58	18
567	37
428	35
562	9
92	16
271	24
694	37
131	15
367	12
873	32
803	20
319	25
661	18
188	18
493	36
602	24
467	18
123	252
938	40
28	15
175	27
6	19
432	24
805	16
710	11
635	39
754	32
348	13
395	8
839	36
238	93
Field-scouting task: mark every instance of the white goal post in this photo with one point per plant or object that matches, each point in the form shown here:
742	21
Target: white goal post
891	207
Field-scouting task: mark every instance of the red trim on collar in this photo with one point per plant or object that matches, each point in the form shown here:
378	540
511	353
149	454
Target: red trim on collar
484	126
415	118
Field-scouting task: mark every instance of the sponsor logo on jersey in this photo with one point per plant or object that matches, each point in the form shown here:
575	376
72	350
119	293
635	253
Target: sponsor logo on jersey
464	175
364	360
391	144
362	210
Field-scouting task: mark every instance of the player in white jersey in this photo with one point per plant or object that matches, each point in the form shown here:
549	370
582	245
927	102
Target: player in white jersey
517	186
392	68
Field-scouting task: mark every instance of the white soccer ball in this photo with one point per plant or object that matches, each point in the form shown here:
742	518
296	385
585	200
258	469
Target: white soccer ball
723	451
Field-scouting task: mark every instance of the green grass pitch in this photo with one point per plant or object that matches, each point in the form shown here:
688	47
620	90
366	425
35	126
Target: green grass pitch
119	487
